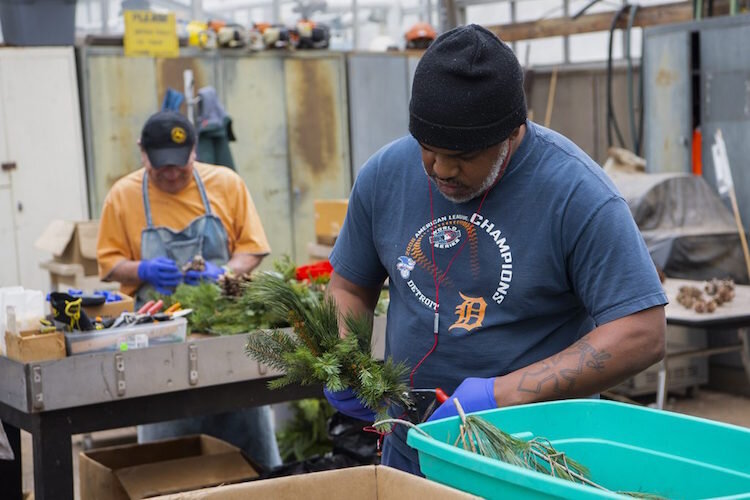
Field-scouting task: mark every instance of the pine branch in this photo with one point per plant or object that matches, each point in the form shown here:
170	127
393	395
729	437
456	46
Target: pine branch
321	356
277	294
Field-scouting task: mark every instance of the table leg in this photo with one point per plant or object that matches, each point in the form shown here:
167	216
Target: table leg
744	335
11	476
661	384
53	458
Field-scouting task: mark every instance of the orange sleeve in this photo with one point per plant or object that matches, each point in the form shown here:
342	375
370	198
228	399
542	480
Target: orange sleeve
248	229
112	243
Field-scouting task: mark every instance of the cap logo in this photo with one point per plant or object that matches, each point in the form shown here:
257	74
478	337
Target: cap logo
178	135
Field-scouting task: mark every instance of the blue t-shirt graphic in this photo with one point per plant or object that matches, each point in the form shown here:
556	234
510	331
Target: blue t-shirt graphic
553	253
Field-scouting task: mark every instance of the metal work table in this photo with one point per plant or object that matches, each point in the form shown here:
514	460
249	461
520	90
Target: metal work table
735	314
91	392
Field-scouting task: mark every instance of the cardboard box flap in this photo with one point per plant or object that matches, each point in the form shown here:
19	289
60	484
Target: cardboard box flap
368	482
87	234
127	455
55	237
356	483
184	474
393	484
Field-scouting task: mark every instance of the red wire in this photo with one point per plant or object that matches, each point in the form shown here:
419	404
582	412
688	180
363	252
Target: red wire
435	279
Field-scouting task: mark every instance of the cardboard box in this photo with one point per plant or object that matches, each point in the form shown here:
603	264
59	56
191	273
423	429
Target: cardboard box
329	219
111	309
29	347
161	467
370	482
71	242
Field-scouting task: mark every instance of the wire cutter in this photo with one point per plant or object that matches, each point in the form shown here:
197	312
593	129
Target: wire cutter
425	402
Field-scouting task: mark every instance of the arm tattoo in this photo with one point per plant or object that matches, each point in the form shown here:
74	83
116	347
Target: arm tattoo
562	370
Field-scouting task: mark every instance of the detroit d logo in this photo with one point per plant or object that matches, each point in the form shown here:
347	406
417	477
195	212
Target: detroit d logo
470	313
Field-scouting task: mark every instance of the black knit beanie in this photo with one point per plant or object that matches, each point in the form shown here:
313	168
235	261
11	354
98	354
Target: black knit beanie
467	93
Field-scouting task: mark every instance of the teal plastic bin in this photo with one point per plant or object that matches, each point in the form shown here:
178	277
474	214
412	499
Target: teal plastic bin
625	447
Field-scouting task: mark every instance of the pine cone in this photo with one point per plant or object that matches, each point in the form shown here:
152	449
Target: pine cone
233	285
197	264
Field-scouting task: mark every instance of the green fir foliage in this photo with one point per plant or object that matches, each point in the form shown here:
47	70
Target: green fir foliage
316	354
219	314
306	434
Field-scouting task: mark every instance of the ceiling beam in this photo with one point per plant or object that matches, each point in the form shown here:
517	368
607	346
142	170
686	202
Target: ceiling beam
589	23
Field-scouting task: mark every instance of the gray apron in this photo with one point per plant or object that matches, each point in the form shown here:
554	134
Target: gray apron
205	236
250	429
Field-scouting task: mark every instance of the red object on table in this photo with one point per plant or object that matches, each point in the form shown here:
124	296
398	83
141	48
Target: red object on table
155	308
148	305
319	269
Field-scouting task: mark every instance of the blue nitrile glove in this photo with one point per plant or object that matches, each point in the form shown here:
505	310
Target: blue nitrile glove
211	273
474	394
349	404
162	273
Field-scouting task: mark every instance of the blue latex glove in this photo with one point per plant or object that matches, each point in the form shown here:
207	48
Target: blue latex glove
474	394
347	403
211	273
162	273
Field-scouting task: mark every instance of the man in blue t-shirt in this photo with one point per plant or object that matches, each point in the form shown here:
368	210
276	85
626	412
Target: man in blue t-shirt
517	273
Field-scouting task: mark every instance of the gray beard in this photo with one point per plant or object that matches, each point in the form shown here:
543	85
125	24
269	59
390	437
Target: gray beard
488	181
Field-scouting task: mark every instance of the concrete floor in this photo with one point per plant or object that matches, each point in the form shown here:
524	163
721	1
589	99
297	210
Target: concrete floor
713	405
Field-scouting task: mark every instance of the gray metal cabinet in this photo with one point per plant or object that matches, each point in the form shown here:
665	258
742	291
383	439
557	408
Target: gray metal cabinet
251	93
379	102
725	101
698	73
318	133
666	94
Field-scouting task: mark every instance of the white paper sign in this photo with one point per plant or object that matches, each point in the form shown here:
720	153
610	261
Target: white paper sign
724	181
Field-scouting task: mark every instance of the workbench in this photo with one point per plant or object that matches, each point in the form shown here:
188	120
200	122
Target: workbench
735	314
53	400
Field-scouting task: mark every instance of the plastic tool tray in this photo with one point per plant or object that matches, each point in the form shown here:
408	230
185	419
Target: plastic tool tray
625	447
127	337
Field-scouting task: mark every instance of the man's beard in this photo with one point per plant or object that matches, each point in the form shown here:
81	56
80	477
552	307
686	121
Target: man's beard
488	182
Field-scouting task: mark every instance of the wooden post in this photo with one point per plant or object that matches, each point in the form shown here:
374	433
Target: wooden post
740	228
551	98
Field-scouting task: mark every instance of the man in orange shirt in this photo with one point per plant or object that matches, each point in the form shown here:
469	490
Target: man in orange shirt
159	217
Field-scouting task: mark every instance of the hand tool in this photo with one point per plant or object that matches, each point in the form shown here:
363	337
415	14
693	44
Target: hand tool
155	308
146	307
425	401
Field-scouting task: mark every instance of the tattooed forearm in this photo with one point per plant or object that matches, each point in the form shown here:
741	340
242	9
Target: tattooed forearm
560	372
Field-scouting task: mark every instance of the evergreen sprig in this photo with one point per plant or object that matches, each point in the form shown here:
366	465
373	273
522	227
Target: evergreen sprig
306	434
316	353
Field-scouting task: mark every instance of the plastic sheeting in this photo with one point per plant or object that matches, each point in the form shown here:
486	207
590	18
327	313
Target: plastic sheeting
689	231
